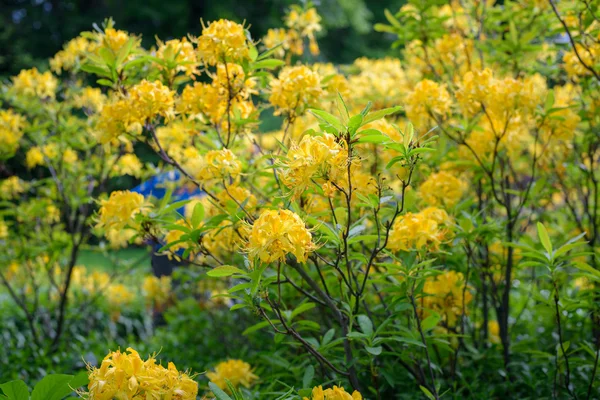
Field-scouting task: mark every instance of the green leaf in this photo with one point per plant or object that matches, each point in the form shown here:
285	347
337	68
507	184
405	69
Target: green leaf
107	56
374	350
430	322
328	119
391	19
52	387
79	380
104	82
342	108
15	390
197	214
225	270
328	336
309	374
255	327
302	308
268	64
544	238
219	394
93	69
366	326
549	100
269	52
587	268
355	123
427	393
380	114
253	53
124	51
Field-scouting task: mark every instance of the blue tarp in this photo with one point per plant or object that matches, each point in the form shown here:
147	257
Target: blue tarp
157	187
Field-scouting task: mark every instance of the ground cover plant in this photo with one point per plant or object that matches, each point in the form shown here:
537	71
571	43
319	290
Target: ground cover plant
418	226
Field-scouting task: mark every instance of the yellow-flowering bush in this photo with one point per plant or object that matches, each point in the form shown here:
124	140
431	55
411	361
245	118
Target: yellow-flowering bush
128	376
396	226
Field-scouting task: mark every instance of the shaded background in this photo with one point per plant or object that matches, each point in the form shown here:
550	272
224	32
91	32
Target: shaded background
31	31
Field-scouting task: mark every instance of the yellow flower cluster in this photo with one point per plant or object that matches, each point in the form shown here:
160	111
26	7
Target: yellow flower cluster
428	99
500	98
118	297
314	155
216	165
223	41
383	82
277	233
129	113
237	372
126	376
128	164
335	393
120	209
11	132
31	82
157	291
301	23
304	23
296	89
223	101
415	231
91	99
72	54
11	188
442	189
180	51
445	294
3	229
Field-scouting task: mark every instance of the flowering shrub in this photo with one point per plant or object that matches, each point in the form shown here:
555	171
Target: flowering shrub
395	233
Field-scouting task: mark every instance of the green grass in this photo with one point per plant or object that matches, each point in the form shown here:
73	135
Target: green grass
93	259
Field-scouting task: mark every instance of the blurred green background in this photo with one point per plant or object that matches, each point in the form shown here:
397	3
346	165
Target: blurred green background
31	31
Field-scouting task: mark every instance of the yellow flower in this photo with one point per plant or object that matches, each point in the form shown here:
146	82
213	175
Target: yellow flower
129	164
3	229
30	82
72	54
223	41
69	156
198	99
181	52
428	98
494	331
276	37
157	290
589	55
277	233
120	209
219	164
90	98
126	376
150	99
144	102
415	231
175	235
445	294
382	82
296	89
306	23
335	393
11	131
237	372
442	189
473	90
313	155
11	188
